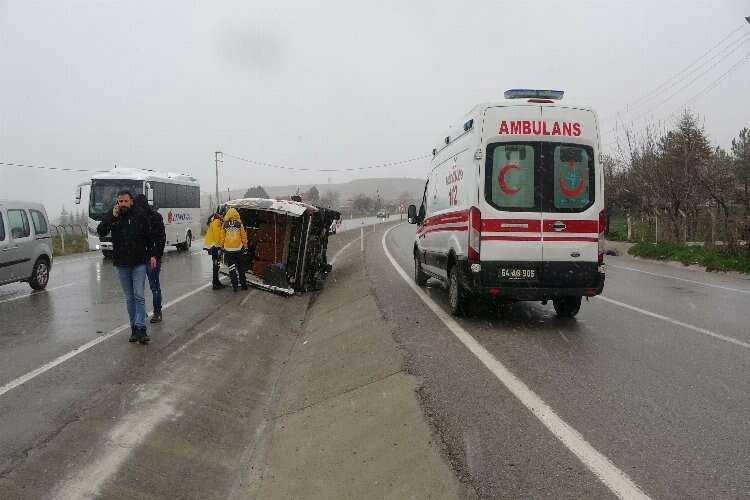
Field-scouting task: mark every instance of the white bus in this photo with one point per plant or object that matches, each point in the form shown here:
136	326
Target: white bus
175	196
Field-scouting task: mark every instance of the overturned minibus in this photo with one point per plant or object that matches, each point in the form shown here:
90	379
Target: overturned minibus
288	241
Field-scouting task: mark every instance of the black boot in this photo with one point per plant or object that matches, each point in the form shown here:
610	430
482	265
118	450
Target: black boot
143	337
218	285
156	317
133	335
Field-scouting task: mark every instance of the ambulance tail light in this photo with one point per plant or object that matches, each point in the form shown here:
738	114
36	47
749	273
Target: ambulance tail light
602	227
475	234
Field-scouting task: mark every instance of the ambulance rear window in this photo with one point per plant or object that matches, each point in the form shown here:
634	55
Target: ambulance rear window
511	180
573	176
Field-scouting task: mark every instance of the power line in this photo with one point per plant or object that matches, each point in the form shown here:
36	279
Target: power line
689	84
351	169
43	167
673	80
715	83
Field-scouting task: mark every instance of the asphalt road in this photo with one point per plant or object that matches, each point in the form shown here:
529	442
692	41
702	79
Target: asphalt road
84	413
653	376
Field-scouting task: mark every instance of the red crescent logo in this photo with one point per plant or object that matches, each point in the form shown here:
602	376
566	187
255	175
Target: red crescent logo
501	179
571	193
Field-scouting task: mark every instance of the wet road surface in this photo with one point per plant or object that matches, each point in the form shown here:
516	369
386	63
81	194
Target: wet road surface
85	414
653	375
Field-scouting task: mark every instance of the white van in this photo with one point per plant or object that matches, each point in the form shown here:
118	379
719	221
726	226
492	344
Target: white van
513	207
25	244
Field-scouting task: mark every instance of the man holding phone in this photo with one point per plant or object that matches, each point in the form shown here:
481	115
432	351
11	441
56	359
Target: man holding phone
132	251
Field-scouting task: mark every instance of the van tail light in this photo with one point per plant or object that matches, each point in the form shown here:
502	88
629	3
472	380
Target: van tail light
602	227
475	234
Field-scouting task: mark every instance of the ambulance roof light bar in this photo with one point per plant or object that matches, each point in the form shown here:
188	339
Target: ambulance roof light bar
533	93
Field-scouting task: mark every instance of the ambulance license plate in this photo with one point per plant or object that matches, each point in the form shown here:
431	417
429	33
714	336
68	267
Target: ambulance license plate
517	274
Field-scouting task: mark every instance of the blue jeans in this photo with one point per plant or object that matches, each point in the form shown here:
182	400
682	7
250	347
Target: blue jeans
133	281
153	283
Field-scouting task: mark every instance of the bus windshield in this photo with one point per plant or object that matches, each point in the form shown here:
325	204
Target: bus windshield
104	194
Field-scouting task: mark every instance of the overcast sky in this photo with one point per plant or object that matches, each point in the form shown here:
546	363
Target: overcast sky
164	84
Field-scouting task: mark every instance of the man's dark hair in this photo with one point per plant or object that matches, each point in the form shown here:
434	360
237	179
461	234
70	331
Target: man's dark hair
124	191
140	201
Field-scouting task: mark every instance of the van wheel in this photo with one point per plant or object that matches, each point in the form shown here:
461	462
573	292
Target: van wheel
40	274
420	278
567	307
456	297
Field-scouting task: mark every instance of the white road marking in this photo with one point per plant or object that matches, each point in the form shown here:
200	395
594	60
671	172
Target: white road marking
119	443
40	292
83	348
676	322
191	342
702	283
614	478
338	254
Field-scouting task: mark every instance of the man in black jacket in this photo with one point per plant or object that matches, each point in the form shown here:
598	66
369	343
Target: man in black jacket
132	251
158	238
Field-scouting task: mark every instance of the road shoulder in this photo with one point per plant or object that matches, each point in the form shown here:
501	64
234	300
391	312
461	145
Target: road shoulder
348	421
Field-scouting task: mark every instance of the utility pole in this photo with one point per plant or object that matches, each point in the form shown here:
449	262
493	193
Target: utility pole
217	160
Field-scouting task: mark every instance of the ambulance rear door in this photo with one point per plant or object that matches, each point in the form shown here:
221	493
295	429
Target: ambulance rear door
572	197
511	209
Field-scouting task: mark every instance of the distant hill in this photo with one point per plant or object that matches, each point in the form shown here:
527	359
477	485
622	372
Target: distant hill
389	188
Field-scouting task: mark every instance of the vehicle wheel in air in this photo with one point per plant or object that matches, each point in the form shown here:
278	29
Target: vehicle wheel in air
40	274
188	241
456	297
107	254
420	278
567	307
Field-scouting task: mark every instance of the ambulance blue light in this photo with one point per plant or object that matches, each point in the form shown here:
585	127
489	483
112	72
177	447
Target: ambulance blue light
533	93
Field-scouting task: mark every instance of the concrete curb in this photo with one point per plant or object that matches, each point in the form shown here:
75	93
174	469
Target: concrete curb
348	423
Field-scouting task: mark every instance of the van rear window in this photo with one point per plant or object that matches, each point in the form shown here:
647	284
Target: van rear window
40	222
513	176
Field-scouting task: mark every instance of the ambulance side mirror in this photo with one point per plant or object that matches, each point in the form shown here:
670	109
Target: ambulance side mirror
412	214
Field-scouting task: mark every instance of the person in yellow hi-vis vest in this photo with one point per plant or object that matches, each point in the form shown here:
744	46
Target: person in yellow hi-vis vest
212	243
234	243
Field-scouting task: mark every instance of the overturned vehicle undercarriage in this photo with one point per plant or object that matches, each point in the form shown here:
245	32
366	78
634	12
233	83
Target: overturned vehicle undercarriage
287	241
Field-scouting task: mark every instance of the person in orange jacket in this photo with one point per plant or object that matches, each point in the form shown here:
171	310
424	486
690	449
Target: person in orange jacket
234	244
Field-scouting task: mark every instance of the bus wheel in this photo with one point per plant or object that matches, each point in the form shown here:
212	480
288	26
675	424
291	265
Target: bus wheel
567	307
185	246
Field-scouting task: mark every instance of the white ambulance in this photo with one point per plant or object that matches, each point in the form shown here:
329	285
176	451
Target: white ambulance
513	207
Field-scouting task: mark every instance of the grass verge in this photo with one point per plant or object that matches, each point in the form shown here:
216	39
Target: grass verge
714	259
73	244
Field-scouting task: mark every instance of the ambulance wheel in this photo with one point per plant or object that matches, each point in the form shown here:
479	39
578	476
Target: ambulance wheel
567	307
456	294
420	278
